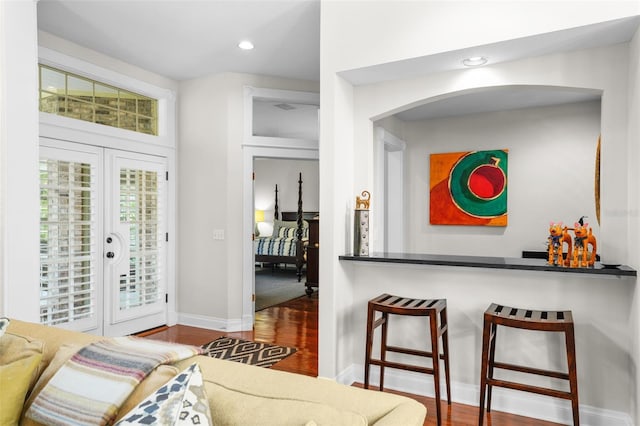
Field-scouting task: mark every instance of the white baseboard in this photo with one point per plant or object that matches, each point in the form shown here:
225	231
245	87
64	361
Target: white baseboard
210	323
505	400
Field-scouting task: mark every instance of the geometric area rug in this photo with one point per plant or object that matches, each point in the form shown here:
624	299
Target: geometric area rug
247	352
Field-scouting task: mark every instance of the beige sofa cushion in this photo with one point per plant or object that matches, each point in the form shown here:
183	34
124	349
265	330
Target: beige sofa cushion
231	385
232	407
54	337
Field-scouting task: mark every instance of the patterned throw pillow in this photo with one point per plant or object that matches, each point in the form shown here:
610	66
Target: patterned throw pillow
292	224
287	232
293	233
182	401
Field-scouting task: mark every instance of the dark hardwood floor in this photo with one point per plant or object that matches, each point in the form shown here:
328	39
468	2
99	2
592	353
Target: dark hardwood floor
295	323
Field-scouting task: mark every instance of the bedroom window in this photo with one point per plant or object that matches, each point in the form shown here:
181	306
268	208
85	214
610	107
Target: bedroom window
74	96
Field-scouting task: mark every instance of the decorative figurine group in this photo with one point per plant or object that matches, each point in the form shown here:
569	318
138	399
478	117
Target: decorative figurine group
580	251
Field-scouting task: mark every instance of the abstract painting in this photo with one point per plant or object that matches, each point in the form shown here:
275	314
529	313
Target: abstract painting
468	188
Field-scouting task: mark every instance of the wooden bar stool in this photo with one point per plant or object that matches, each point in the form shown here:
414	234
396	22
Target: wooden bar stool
387	304
558	321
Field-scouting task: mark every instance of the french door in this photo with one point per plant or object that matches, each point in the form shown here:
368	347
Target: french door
102	239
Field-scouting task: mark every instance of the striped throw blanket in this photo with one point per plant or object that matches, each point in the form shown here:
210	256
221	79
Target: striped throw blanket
91	386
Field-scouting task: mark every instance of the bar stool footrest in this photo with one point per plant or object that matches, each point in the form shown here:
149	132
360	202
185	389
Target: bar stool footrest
407	367
530	370
408	351
530	388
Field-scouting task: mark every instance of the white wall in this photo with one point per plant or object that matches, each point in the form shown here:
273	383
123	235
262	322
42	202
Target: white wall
634	205
210	195
551	168
547	290
606	352
388	31
300	122
58	44
284	173
19	211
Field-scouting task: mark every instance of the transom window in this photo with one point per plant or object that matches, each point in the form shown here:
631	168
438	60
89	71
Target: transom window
71	95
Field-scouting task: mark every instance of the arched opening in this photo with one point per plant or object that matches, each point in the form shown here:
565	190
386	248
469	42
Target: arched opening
548	133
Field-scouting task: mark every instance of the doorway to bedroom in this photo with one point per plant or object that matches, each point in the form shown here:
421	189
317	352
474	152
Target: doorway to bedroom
278	125
277	276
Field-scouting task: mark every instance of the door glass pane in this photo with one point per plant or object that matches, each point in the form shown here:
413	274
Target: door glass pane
139	211
67	223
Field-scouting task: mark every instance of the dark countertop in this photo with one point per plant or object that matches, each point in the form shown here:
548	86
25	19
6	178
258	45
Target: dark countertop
525	264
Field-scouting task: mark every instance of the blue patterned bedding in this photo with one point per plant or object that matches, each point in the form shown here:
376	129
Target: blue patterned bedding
276	246
283	245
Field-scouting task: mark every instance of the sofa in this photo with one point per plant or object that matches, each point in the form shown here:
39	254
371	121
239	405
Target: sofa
237	394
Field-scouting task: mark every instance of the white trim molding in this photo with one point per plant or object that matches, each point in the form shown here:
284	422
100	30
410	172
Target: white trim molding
248	275
166	98
210	323
60	128
505	400
292	96
264	147
385	143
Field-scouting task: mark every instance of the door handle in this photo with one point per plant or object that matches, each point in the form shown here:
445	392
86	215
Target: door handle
110	254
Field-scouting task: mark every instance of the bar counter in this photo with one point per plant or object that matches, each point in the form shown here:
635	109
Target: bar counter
525	264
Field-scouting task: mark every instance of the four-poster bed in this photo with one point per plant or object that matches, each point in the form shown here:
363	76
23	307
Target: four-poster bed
290	235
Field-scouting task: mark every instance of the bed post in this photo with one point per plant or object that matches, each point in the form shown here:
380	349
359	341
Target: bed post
299	244
299	217
275	211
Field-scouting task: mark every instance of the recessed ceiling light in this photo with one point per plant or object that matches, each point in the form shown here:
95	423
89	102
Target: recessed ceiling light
474	61
245	45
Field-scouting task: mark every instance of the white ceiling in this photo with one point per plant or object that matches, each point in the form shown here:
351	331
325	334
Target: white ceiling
185	39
